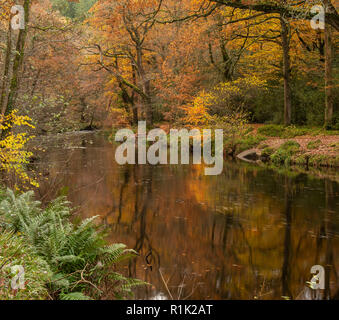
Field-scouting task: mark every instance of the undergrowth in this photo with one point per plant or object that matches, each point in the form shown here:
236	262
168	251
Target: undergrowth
283	155
288	132
79	263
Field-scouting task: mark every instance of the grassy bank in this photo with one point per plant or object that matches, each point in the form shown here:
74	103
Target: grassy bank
281	145
60	259
277	144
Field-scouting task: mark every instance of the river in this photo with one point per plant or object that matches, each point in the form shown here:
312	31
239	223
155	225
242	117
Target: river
249	233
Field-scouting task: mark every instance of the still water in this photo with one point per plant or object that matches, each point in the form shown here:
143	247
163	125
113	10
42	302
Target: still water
249	233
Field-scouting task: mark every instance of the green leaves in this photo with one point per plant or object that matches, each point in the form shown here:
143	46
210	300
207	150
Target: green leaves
116	253
74	296
76	253
14	251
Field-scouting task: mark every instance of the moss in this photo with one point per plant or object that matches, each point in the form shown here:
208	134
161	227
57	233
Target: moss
249	130
331	132
289	153
283	155
292	131
314	144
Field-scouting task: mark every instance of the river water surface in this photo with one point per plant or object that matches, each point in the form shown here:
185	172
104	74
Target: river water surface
249	233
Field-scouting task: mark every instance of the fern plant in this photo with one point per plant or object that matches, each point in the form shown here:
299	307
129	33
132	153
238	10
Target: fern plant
14	251
77	254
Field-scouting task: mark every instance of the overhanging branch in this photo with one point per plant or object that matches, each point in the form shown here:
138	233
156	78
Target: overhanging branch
332	16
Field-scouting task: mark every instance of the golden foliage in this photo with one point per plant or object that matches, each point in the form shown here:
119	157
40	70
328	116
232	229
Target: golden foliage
13	156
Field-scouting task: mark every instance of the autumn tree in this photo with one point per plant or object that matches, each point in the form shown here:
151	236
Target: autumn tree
290	9
127	25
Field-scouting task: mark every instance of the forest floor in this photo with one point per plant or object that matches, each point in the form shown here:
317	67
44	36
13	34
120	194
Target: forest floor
327	144
310	144
300	145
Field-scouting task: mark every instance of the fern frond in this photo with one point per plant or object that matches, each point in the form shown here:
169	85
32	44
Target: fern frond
74	296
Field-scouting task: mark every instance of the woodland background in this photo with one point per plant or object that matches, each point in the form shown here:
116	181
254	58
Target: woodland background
84	64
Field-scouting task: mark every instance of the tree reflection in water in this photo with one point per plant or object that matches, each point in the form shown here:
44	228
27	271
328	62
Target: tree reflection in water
250	233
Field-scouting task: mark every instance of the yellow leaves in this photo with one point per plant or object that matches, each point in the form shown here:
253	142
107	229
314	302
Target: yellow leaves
5	9
230	98
120	115
13	119
196	4
197	115
241	84
13	156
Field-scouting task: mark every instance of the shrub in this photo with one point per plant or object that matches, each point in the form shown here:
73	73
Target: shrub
283	155
274	130
290	146
271	130
301	159
232	96
293	131
13	156
76	253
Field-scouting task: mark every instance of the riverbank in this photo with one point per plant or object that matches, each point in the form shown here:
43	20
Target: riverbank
147	207
276	144
292	145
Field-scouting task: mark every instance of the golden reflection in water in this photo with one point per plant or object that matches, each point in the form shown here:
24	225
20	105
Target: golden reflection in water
250	233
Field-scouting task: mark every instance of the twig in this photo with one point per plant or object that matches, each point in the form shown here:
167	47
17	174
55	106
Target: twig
162	278
86	281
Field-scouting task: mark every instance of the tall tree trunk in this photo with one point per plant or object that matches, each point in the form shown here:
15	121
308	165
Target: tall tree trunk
35	82
286	71
17	64
146	87
133	104
329	81
149	109
134	112
3	92
227	62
